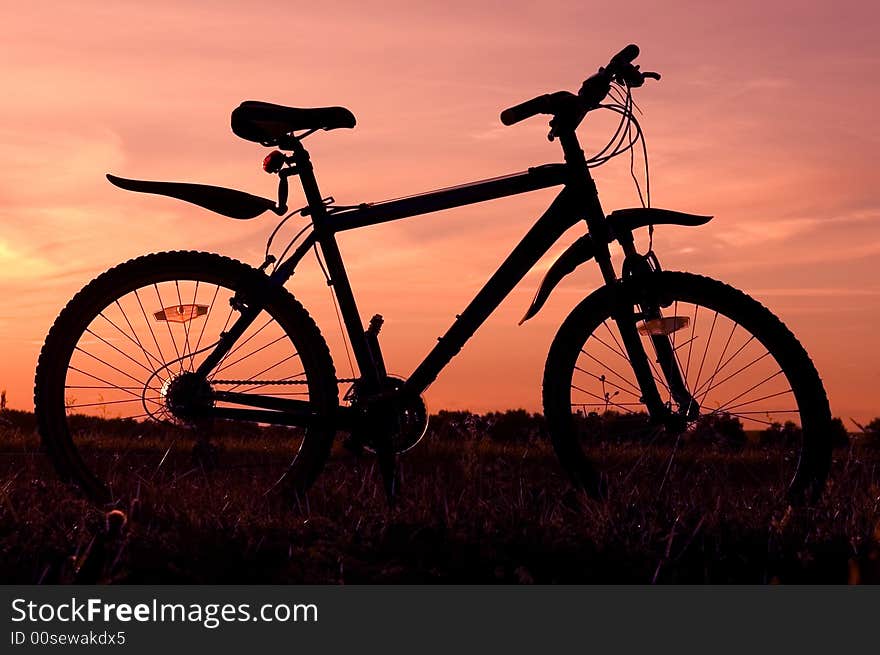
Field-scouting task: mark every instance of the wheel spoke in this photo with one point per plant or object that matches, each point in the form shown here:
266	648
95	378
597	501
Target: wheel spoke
186	346
240	345
149	326
735	373
251	354
110	385
605	380
752	388
722	367
606	400
115	402
757	400
134	336
608	368
687	366
168	325
108	365
205	322
127	336
705	351
121	352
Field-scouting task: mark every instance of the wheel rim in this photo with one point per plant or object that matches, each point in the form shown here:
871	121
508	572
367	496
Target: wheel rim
749	431
125	381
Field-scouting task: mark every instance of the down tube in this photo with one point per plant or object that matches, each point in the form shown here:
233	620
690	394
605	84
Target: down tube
559	217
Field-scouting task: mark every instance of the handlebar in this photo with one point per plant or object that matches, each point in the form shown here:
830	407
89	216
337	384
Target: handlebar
540	105
626	56
592	92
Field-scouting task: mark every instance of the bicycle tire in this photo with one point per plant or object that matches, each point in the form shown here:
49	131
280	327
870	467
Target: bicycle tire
73	321
814	457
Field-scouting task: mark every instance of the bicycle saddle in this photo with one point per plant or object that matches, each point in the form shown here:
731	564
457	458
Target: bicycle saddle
265	123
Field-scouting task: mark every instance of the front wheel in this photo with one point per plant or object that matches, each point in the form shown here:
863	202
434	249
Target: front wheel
121	404
753	424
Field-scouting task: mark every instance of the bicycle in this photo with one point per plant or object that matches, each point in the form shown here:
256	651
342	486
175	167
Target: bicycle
193	344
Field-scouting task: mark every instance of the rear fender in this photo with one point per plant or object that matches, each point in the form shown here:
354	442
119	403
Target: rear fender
227	202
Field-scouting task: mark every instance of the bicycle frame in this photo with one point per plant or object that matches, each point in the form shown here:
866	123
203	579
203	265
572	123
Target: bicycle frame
578	200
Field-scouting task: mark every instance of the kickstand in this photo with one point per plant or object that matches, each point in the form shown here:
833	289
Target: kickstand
388	469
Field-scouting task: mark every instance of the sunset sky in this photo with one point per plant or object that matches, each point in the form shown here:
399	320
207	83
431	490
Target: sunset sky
765	118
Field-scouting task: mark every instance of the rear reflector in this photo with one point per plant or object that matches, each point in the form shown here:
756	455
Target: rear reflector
181	313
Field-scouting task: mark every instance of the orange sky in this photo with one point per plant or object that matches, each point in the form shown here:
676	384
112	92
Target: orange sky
764	118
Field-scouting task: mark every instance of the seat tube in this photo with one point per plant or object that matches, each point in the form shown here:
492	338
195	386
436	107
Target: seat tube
347	306
335	267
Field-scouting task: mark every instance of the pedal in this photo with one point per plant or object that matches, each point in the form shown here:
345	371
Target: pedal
371	334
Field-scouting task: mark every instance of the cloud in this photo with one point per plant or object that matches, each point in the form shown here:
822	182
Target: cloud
17	265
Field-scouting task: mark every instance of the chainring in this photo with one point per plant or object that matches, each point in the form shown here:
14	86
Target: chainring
406	418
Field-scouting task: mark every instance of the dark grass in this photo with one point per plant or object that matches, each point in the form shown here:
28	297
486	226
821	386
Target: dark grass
472	510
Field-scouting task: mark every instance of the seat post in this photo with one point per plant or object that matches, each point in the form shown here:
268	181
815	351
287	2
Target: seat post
306	173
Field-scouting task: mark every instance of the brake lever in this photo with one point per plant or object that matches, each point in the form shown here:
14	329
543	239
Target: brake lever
634	78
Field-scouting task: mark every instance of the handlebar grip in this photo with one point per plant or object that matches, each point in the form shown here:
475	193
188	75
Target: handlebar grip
626	55
524	110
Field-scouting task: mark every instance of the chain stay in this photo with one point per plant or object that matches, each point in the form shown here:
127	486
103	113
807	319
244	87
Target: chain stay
275	382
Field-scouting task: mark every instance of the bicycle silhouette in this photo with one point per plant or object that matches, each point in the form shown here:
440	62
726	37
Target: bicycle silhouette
196	343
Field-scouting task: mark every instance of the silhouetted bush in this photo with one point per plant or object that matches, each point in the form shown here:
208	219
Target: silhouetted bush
514	425
788	435
24	421
612	427
457	425
870	436
721	430
839	435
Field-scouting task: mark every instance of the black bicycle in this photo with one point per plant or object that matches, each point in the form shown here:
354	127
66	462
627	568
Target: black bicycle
160	359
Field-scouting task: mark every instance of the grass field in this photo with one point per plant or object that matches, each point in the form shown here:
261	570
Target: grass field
473	509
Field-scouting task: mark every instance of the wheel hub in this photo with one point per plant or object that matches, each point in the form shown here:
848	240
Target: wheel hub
187	396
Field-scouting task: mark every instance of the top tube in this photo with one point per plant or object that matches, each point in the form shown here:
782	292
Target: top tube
538	177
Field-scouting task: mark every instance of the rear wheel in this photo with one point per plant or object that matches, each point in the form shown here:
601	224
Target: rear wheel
763	422
120	406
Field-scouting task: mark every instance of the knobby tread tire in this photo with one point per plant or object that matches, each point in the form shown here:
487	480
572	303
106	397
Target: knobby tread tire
57	349
815	456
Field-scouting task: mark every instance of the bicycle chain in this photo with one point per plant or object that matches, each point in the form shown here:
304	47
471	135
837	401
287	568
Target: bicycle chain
275	382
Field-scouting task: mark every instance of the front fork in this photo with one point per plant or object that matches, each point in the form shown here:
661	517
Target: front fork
628	320
624	316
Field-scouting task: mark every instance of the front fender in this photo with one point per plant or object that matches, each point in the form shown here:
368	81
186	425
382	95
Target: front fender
620	222
576	254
